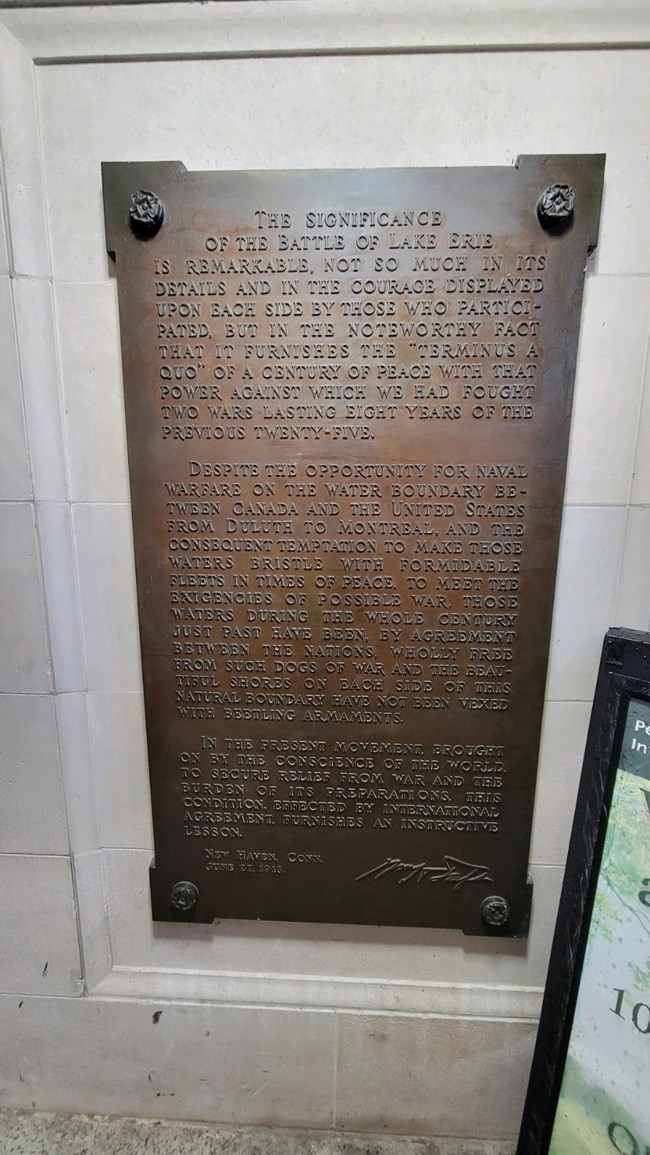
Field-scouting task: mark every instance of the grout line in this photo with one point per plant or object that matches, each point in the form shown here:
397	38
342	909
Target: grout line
35	995
335	52
645	388
34	854
335	1086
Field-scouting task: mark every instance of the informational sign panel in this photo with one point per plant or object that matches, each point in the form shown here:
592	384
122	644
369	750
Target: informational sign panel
603	1105
348	397
588	1093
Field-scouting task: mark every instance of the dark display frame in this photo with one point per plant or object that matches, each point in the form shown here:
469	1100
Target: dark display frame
624	674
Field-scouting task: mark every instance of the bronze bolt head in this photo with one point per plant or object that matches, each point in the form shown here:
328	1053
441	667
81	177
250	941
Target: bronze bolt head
184	897
556	205
147	213
495	911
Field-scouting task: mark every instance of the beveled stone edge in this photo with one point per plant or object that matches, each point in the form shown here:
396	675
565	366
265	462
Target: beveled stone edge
67	32
324	993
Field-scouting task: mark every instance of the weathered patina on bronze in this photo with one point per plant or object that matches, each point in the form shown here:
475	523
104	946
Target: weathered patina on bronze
347	398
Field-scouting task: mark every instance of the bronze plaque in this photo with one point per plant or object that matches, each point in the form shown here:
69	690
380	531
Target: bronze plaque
347	398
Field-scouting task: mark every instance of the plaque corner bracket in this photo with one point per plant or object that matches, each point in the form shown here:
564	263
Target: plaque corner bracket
120	181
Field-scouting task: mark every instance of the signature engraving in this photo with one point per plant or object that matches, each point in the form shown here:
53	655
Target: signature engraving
454	870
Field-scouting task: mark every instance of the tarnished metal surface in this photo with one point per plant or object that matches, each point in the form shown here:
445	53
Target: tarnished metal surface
348	398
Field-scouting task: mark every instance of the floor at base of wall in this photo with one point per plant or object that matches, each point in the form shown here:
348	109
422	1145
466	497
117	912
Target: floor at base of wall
24	1133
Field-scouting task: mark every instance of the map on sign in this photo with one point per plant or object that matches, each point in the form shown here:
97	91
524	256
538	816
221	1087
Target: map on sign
347	399
603	1104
